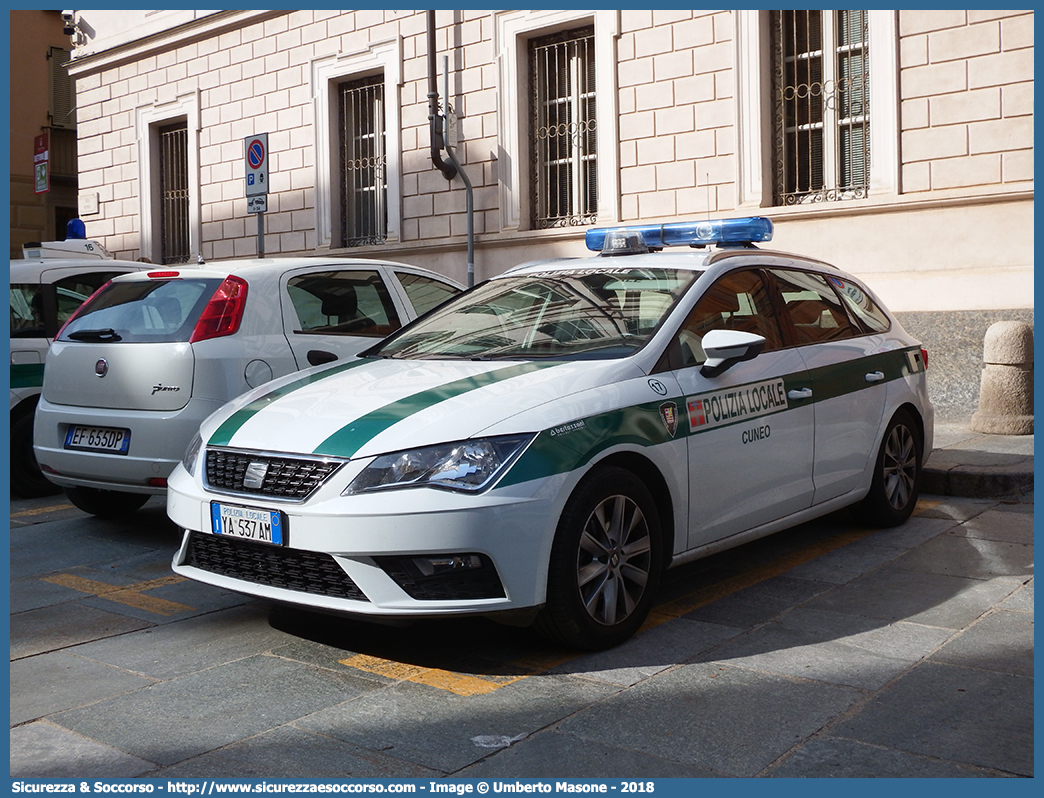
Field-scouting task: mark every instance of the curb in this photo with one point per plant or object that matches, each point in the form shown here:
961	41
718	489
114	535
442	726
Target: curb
979	482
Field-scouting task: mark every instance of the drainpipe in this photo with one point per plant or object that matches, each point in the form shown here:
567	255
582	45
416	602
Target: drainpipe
468	192
449	171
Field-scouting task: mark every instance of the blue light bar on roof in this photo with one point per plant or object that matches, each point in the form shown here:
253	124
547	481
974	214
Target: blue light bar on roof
692	234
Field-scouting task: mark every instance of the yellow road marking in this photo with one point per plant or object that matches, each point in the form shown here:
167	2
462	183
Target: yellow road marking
131	595
459	683
42	510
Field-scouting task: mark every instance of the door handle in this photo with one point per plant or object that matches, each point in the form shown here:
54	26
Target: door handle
874	376
317	357
802	393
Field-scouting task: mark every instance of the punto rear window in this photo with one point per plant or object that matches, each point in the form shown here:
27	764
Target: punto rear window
153	311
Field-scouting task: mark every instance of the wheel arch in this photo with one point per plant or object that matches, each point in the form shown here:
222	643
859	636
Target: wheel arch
25	407
915	414
649	473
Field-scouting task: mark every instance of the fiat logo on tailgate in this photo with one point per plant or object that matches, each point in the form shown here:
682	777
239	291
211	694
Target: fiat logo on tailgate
254	477
101	368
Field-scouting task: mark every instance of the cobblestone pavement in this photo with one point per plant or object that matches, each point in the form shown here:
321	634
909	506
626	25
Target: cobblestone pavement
828	650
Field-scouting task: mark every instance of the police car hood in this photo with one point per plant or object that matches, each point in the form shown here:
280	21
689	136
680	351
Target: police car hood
367	407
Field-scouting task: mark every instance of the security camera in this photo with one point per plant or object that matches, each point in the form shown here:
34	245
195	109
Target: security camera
68	17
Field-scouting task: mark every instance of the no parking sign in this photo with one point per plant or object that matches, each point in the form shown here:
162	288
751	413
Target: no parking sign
256	149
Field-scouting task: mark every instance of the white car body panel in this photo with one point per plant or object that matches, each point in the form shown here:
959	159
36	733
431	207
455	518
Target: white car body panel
846	426
776	468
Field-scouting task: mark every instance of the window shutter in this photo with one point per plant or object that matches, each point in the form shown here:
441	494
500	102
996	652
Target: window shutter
63	99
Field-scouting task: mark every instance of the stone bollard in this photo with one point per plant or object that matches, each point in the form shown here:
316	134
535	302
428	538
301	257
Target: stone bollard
1006	392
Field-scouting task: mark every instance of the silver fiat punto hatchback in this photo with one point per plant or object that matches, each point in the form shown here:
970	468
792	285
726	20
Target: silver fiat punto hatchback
134	372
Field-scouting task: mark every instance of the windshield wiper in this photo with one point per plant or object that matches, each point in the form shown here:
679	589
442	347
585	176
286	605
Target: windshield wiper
107	334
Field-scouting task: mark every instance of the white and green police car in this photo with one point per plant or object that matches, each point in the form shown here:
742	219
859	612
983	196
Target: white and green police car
543	446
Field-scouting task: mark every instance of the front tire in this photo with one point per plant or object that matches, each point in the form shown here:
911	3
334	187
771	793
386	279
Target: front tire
605	563
106	503
897	474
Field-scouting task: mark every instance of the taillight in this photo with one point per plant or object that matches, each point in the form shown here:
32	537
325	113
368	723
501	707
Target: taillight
164	275
84	304
223	312
924	357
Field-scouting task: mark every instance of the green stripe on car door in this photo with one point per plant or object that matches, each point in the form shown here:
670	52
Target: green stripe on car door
27	375
574	444
830	382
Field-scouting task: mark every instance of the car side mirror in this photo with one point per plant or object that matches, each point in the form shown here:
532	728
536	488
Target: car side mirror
726	348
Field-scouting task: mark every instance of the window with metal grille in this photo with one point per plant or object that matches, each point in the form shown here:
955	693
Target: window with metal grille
564	180
821	66
174	193
364	184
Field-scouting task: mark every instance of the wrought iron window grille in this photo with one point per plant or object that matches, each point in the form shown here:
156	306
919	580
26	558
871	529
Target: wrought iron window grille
821	70
364	182
562	104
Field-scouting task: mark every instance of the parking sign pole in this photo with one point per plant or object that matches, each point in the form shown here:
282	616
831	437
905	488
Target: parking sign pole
256	151
261	234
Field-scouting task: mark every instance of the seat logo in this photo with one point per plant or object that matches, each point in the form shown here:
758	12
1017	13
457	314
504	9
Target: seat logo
101	368
254	477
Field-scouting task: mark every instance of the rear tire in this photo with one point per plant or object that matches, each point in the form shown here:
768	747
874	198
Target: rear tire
106	503
27	480
897	474
605	562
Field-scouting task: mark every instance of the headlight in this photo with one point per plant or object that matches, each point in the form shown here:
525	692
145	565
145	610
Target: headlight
191	453
467	466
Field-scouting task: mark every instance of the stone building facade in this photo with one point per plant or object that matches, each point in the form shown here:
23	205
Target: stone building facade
898	145
41	105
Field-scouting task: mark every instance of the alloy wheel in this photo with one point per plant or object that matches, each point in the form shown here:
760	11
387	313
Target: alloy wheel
900	466
614	560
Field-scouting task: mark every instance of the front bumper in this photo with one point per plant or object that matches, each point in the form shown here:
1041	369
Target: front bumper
372	554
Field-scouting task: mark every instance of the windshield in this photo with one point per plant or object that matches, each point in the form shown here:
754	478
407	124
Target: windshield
581	313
